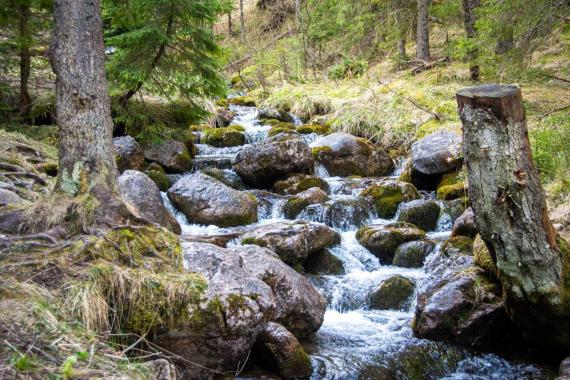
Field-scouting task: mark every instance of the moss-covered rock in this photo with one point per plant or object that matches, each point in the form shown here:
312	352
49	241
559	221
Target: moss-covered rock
222	103
172	155
412	254
158	175
281	127
393	293
313	128
482	256
323	263
223	137
420	212
458	245
298	183
387	196
274	114
383	239
248	101
227	177
452	186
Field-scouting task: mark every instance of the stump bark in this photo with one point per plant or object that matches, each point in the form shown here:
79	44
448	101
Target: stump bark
512	216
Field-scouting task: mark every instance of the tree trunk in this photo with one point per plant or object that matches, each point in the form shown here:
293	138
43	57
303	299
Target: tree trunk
241	21
512	216
230	23
87	167
402	48
401	39
422	34
469	7
25	100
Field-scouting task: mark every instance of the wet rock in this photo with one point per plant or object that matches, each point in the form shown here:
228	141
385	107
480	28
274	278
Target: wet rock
299	305
277	345
482	256
277	128
273	113
455	208
128	153
139	190
172	155
323	263
465	225
261	164
387	195
223	137
205	200
296	204
155	172
222	118
294	240
433	156
8	197
457	245
344	155
313	128
382	240
422	213
393	293
269	204
221	328
226	176
342	213
412	254
298	183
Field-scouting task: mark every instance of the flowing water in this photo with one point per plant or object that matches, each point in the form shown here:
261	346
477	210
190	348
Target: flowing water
356	342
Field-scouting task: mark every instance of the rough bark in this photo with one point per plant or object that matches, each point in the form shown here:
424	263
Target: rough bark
25	58
469	18
512	216
422	34
87	167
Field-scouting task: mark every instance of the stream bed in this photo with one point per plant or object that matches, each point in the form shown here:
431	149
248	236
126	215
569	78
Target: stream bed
354	341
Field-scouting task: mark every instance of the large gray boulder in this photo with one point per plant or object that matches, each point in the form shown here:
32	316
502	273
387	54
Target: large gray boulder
343	154
139	190
172	155
293	240
128	153
205	200
299	305
434	155
420	212
383	239
263	163
218	330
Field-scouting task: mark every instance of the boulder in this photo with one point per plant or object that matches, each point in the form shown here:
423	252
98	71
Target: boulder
313	128
387	195
172	155
128	153
8	197
300	308
457	245
226	176
155	172
139	190
343	154
455	208
222	118
433	156
223	137
382	240
413	253
262	163
219	330
247	101
294	240
343	213
296	204
205	200
278	346
392	293
465	225
323	263
298	183
422	213
273	113
277	128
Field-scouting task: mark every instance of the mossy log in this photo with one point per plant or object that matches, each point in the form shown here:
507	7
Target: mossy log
512	216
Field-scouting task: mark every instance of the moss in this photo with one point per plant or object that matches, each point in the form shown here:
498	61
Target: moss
222	103
317	151
281	127
299	362
199	128
158	175
183	159
237	220
482	257
313	128
223	137
387	197
299	183
248	101
458	245
294	206
253	241
237	127
451	186
270	121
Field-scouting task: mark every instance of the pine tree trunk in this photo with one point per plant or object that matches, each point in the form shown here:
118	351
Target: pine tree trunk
512	216
241	21
469	7
87	167
25	99
402	48
422	34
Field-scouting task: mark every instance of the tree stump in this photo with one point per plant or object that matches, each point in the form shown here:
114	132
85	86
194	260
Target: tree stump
512	216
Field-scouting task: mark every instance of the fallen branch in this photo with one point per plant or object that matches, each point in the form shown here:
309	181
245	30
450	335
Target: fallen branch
554	111
424	66
558	78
